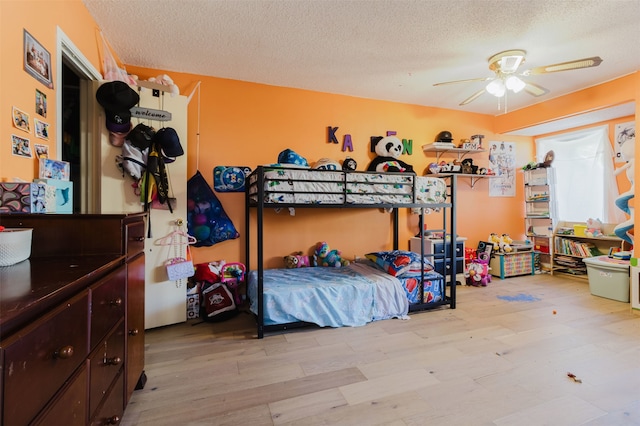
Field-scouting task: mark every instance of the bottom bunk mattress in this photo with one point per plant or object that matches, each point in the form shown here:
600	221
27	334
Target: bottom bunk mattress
352	295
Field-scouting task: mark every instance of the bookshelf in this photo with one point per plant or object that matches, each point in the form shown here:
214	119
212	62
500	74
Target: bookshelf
540	209
569	249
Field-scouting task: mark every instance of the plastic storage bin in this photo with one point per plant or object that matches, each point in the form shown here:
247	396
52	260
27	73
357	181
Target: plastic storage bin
608	277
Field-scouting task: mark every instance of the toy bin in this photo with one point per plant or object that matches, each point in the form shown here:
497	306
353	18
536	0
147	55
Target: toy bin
608	277
505	265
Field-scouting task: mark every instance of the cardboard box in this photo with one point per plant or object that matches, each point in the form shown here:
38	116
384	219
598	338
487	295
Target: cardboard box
608	277
512	264
62	195
24	197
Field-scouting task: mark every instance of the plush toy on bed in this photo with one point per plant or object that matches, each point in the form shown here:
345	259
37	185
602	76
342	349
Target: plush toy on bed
389	149
327	257
298	260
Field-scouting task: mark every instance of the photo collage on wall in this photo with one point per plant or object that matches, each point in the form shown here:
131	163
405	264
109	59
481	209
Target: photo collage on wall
37	63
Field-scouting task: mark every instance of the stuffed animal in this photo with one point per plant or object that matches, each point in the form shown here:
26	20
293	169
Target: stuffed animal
478	273
495	240
327	257
298	260
389	149
165	80
349	164
505	243
594	228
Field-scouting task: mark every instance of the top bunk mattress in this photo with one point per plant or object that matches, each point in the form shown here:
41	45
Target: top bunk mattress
309	186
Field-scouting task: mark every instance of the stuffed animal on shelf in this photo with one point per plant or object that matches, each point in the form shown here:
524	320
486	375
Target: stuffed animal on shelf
389	149
327	257
298	260
505	243
594	228
477	273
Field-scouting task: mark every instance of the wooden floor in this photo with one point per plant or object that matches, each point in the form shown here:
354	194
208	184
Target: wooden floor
500	358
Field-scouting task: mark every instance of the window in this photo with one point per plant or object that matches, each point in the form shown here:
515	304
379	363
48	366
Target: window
585	182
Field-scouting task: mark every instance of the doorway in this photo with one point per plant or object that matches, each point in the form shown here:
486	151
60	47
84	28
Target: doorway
70	122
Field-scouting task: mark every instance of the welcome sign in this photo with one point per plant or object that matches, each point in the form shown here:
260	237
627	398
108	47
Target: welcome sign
151	114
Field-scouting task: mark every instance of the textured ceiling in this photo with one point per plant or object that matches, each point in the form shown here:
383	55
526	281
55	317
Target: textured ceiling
380	49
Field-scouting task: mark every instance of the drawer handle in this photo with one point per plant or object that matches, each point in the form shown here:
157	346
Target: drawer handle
117	302
133	332
113	420
112	361
137	239
64	352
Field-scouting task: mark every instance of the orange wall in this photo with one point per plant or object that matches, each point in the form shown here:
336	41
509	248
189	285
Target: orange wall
249	124
17	88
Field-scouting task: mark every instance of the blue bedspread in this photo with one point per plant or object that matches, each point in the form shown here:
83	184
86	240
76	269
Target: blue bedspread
329	297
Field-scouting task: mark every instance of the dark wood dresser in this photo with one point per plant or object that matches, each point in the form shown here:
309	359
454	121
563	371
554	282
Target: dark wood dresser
72	320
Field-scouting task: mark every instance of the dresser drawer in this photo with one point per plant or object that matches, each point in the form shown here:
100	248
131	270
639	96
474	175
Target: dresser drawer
106	362
442	248
69	408
39	359
113	409
134	238
107	304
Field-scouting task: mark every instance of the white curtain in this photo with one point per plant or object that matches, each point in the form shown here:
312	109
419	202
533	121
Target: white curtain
585	182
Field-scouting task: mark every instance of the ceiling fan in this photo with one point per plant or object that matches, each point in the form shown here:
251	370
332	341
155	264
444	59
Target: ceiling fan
505	66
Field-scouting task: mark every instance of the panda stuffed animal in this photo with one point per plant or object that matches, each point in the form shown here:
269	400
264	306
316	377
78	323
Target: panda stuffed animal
389	149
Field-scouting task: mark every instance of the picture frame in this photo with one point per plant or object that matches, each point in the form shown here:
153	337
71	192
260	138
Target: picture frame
42	151
21	147
41	104
20	119
37	60
41	129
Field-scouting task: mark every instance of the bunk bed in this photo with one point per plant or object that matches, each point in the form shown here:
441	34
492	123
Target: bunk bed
270	291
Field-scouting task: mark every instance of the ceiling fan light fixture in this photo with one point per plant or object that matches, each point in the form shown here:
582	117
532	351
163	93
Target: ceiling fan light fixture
514	84
496	88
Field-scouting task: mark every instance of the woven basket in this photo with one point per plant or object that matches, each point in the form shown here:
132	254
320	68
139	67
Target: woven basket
15	245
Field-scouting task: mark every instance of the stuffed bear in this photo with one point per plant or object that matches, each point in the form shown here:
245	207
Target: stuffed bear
327	257
298	260
389	149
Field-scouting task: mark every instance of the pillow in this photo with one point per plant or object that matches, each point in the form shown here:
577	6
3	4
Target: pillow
400	263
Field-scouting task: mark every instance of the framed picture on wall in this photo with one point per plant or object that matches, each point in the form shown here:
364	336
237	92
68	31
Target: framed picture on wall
37	60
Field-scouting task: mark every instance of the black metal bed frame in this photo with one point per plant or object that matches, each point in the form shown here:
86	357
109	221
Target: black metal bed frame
255	199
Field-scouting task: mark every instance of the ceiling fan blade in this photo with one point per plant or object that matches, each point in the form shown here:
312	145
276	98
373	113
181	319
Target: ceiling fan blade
535	90
566	66
473	97
464	81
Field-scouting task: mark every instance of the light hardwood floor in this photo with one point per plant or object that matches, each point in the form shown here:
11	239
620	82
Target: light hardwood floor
500	358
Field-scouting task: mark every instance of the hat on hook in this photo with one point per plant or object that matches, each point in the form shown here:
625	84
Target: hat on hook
117	96
141	136
169	142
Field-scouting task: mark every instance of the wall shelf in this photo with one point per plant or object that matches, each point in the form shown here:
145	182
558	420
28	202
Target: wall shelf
459	152
473	179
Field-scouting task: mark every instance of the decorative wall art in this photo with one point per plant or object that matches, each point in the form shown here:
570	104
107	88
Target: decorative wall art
21	120
42	151
625	133
21	146
41	104
37	60
41	129
502	161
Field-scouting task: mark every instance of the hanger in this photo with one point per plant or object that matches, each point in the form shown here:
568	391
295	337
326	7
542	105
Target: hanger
169	239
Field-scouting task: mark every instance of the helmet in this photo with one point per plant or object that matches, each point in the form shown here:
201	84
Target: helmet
444	136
